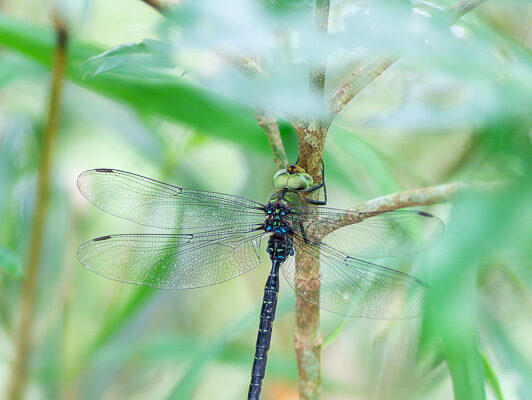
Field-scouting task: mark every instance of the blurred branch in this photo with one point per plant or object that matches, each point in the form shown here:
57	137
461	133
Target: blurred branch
267	121
250	68
23	337
311	131
462	7
408	198
157	4
244	64
321	22
365	75
356	82
271	128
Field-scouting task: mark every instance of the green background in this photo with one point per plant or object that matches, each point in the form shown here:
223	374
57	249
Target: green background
458	110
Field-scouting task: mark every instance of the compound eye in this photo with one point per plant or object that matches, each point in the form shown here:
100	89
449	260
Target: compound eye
280	179
300	181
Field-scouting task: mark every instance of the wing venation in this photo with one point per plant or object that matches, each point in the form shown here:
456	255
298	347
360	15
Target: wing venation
173	261
153	203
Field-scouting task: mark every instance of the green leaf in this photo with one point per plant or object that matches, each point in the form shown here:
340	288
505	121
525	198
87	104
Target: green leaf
10	263
478	224
334	334
139	59
509	355
491	377
176	99
459	336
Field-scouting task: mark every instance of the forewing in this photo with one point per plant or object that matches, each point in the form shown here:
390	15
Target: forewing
177	261
355	288
153	203
390	234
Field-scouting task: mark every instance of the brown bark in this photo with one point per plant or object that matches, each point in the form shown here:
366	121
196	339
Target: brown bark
271	128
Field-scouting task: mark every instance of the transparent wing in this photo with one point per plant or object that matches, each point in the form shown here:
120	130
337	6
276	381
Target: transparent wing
353	287
390	234
178	261
153	203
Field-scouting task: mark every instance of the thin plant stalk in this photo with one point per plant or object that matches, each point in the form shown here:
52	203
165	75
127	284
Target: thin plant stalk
28	294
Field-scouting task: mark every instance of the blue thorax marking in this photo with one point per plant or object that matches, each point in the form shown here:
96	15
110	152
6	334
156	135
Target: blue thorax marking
276	220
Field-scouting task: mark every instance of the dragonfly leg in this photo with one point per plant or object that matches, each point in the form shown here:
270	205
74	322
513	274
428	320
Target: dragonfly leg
303	234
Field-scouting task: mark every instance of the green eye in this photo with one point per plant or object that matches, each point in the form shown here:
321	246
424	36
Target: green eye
280	179
298	181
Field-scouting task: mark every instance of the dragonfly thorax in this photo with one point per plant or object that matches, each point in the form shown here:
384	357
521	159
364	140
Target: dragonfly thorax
277	220
279	247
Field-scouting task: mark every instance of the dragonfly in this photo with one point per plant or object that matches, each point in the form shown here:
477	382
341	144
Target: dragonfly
216	237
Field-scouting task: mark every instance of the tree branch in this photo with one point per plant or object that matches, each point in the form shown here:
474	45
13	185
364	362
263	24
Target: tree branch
244	64
462	7
157	4
365	75
250	68
308	338
356	82
321	22
409	198
267	121
23	337
311	131
271	128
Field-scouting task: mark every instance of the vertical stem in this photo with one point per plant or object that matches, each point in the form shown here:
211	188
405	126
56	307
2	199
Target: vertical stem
23	338
308	339
312	132
321	22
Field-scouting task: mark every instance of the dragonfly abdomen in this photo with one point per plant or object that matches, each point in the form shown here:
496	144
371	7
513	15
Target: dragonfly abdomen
279	247
267	315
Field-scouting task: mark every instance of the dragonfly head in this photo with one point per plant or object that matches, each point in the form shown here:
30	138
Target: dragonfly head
294	178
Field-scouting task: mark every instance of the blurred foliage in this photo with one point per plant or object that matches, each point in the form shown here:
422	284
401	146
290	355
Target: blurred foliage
156	96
